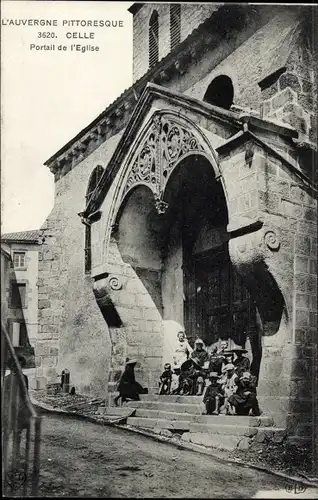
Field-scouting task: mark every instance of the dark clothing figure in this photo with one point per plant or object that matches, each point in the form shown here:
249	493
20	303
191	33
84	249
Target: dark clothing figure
200	355
215	363
212	397
128	388
185	377
165	380
245	398
191	379
242	364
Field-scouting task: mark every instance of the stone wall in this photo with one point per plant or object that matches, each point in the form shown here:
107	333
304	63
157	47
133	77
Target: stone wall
292	98
72	332
278	261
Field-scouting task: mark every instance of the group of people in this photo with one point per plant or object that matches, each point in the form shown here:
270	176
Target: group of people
221	376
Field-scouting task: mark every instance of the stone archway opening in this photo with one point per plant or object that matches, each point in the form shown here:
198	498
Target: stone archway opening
182	257
140	239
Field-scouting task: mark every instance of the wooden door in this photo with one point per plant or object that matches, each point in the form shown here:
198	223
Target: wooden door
217	303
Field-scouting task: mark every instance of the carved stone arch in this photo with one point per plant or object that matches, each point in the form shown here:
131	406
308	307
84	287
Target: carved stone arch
166	140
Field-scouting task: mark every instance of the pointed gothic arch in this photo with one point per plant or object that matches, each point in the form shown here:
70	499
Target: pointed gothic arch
166	139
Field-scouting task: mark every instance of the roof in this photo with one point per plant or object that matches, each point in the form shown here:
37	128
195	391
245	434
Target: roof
5	252
31	236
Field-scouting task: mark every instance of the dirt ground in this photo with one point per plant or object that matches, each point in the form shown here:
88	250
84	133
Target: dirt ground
82	459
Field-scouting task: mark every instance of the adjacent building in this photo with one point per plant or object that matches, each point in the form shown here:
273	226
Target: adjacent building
192	198
19	292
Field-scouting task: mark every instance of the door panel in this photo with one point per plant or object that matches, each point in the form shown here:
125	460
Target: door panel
217	302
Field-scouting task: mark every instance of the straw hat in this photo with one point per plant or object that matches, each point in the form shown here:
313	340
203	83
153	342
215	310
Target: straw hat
213	375
246	376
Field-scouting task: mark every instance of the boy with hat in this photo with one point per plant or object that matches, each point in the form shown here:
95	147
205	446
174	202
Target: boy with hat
212	395
241	363
165	379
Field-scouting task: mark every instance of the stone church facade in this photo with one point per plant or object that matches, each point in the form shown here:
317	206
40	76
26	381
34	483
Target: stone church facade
192	198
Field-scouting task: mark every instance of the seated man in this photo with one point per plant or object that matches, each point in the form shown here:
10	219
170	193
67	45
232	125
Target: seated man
165	380
213	395
241	363
244	401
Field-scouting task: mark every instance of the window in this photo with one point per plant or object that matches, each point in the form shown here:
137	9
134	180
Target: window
92	184
93	181
175	25
19	333
19	260
153	39
18	295
220	92
87	250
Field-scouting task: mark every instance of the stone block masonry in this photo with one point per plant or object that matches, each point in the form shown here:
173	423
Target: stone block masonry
72	332
293	97
288	209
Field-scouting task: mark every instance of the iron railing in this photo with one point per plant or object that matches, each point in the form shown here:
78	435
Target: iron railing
21	427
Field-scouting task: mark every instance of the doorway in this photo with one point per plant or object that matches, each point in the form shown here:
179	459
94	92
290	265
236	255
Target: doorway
217	303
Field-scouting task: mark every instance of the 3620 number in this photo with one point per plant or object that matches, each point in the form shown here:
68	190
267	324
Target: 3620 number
45	34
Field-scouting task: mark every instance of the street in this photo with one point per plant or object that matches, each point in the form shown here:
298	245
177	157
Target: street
79	458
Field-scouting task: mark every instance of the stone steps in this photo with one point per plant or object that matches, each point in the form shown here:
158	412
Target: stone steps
172	413
264	421
160	423
170	407
235	430
169	398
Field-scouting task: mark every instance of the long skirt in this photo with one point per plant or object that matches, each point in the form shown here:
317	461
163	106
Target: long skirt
131	390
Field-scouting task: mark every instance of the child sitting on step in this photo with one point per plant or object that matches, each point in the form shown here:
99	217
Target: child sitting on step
213	395
165	380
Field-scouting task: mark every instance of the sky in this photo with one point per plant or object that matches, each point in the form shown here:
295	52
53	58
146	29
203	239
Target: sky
47	97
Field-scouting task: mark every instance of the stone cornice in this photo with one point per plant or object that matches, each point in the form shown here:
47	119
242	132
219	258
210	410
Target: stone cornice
115	117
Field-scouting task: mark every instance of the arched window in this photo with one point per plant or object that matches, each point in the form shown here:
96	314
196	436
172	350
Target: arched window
220	92
153	39
92	184
175	25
